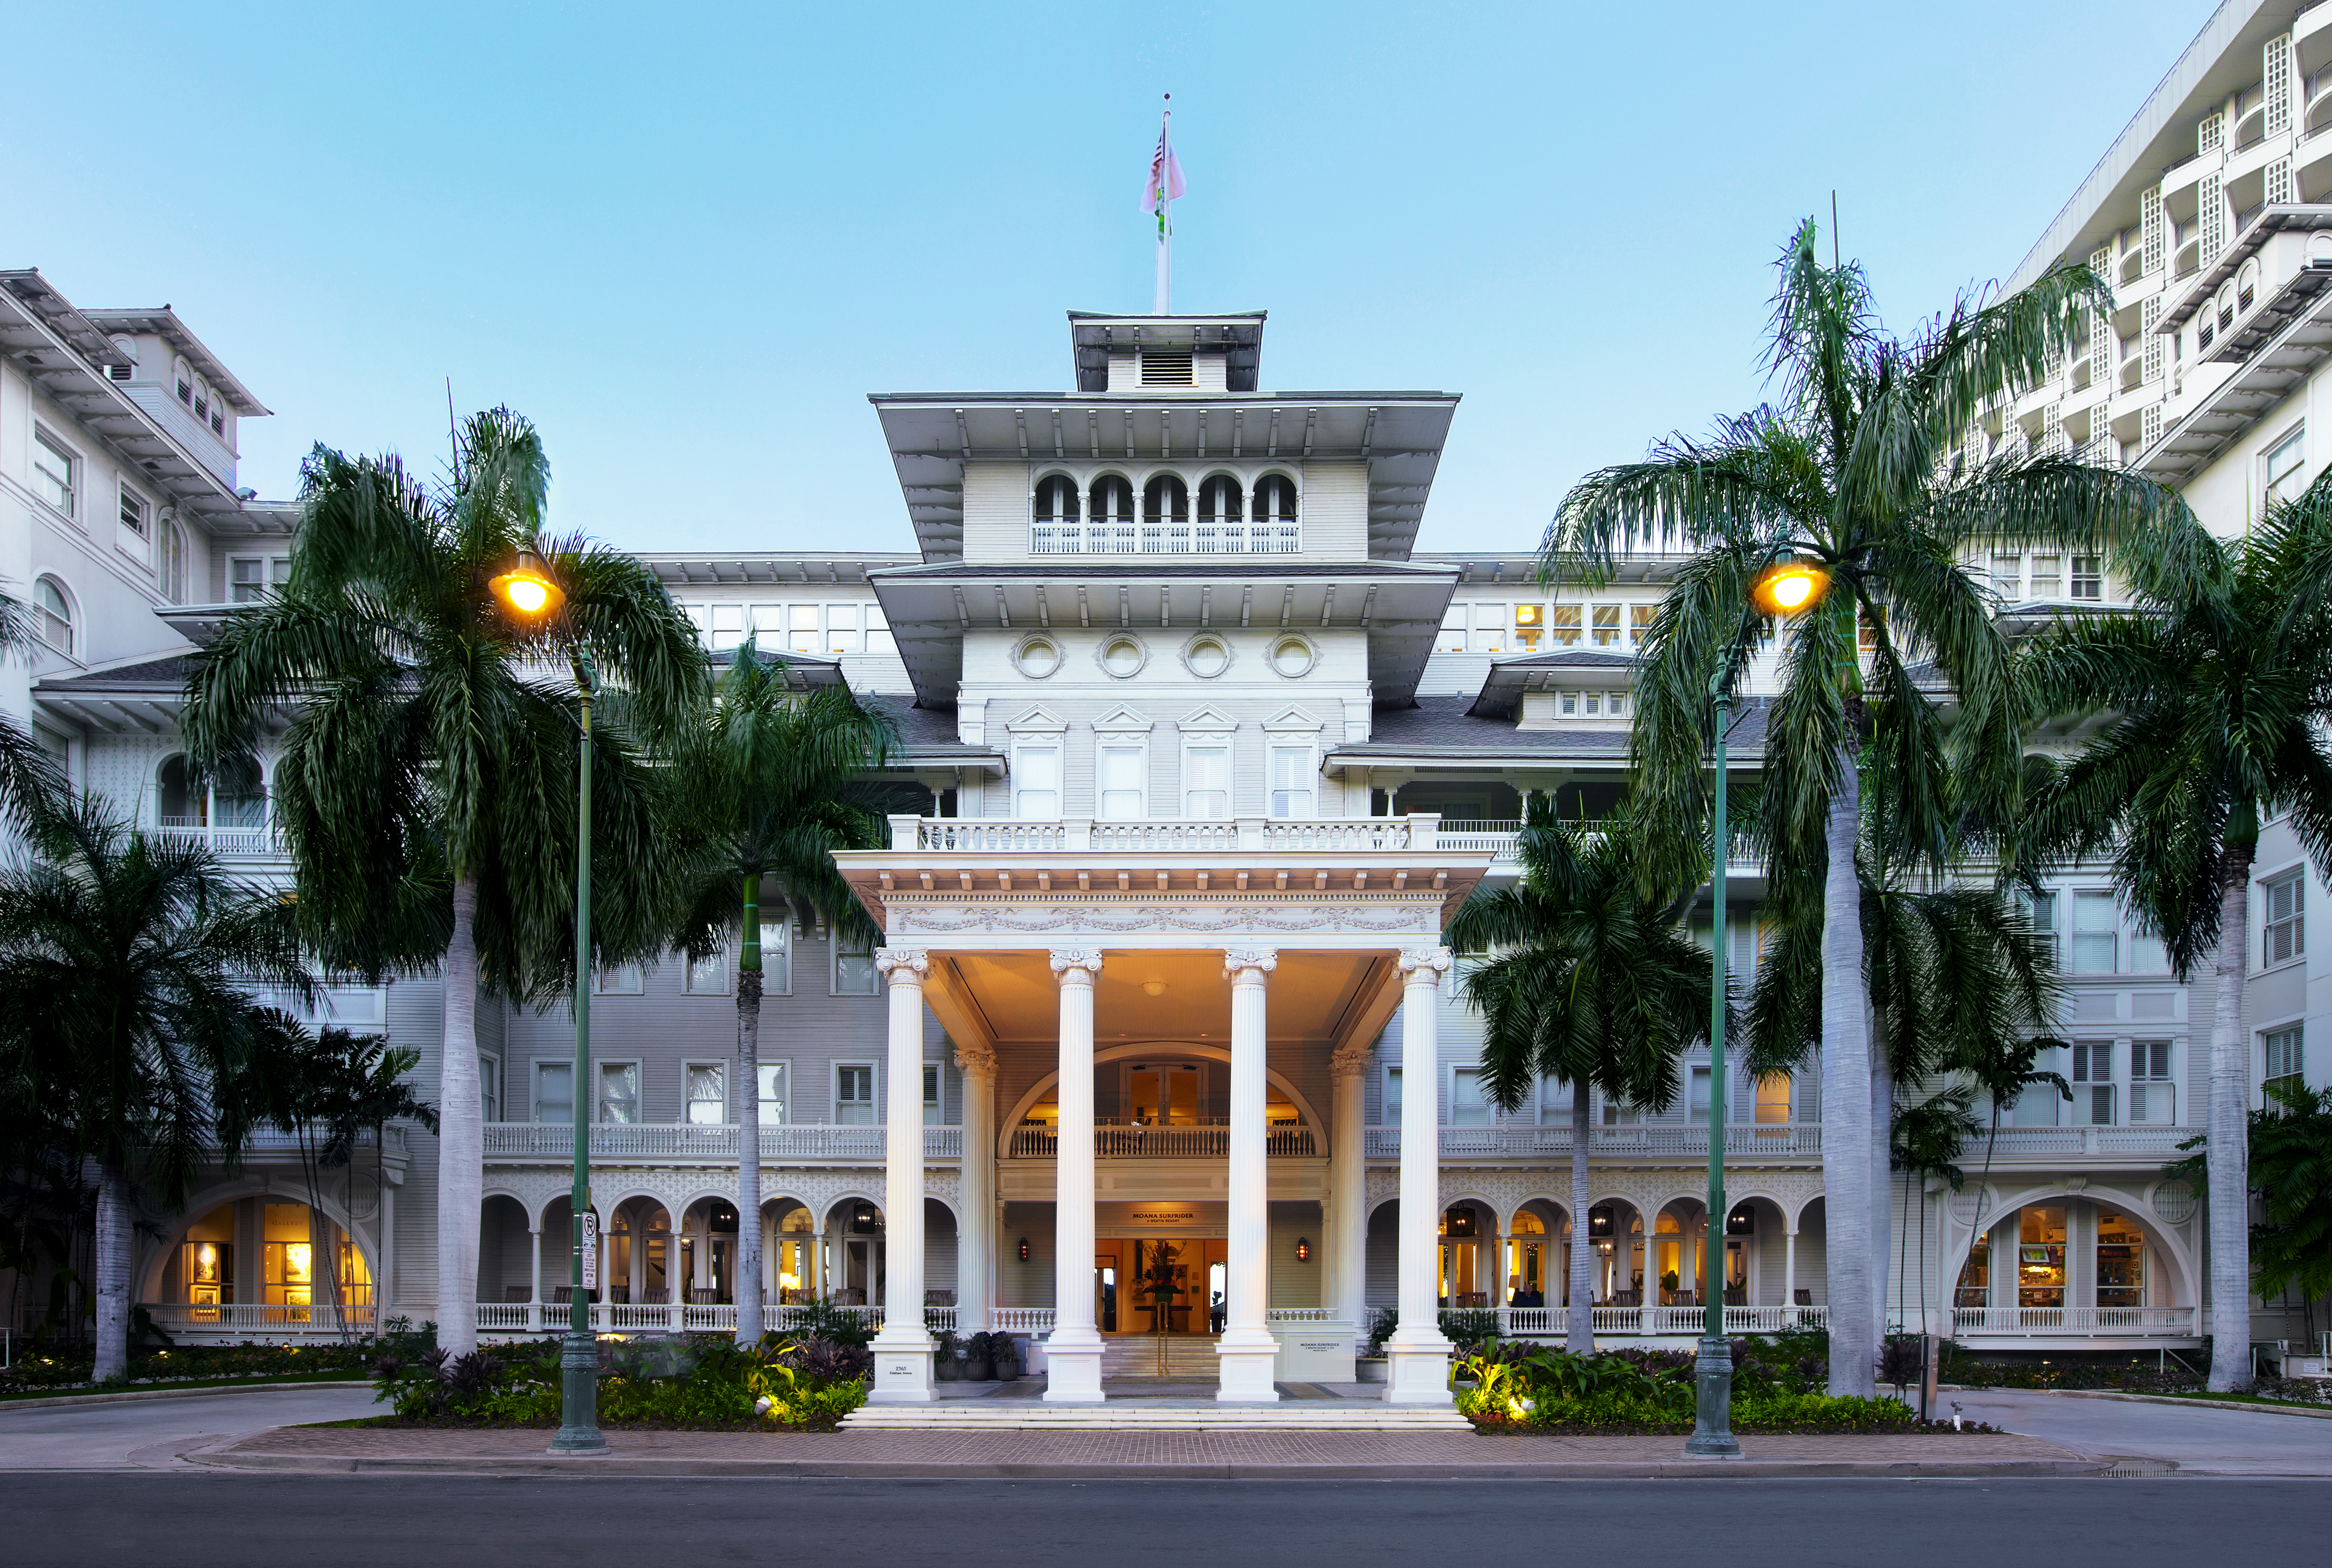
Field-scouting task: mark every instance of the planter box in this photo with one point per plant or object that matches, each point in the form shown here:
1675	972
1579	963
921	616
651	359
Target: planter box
1369	1370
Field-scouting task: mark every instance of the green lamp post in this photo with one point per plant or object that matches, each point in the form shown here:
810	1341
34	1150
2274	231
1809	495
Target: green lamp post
529	591
1788	588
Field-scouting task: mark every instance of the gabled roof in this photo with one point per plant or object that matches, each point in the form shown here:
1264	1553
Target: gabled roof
1503	687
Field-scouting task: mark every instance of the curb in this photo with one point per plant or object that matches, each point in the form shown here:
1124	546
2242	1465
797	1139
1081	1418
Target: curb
2172	1400
138	1396
882	1469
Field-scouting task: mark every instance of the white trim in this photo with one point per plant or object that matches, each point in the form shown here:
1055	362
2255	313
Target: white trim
1113	638
835	953
1231	654
873	1089
728	1090
640	1087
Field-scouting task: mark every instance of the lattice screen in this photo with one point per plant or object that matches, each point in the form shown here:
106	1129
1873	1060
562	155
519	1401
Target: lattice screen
2101	331
2214	218
2276	70
2278	183
2149	317
2211	133
2150	230
2149	426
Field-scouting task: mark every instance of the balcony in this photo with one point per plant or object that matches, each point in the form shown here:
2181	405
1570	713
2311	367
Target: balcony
979	835
1744	1141
682	1144
1129	1141
232	1324
240	841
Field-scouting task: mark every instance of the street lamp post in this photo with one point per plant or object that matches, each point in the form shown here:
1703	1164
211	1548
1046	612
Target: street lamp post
529	591
1786	589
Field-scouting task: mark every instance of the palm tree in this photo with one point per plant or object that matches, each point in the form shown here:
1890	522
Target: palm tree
2218	693
427	787
1859	468
765	789
1590	983
126	1013
1927	1138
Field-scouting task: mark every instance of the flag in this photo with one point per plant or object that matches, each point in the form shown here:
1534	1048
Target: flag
1165	180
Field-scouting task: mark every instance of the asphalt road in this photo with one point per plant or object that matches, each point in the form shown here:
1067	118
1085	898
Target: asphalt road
2203	1441
150	1432
190	1520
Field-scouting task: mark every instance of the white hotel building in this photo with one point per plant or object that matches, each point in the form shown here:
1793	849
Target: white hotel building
1199	752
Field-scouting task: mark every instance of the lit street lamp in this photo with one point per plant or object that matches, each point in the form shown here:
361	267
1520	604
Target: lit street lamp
528	589
1785	589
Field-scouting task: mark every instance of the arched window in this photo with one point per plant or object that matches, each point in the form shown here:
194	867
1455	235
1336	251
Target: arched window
174	563
239	794
1275	499
180	799
1219	500
1056	499
1113	499
1166	498
53	611
235	796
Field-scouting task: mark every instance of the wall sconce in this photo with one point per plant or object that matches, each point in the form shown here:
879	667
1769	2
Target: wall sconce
1303	1249
1742	1222
1024	1250
1599	1221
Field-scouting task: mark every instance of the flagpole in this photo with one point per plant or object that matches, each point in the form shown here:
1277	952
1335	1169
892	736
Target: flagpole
1165	290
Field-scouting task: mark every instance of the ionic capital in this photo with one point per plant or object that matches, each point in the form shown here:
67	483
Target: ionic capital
1076	966
1425	966
902	966
1351	1061
1249	965
975	1061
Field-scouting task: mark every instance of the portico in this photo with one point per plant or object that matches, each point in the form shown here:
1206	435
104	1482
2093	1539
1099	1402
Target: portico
1178	1015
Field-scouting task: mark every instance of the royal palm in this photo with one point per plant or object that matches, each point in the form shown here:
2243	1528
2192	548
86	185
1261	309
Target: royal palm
427	789
1862	468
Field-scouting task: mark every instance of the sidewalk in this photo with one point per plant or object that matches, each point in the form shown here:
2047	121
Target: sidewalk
1194	1455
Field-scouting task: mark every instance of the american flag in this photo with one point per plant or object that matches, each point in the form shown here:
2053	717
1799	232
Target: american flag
1165	180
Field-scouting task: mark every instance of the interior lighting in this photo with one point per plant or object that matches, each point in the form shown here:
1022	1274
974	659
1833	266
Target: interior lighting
526	588
1154	988
1024	1250
1790	587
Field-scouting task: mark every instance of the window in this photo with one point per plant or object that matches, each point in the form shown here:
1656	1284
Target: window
2121	1261
1292	658
773	1076
1974	1288
2089	577
1389	1114
2041	910
1452	639
174	563
620	1092
56	472
250	577
1563	621
1607	624
728	627
2096	930
1640	623
2041	1256
1697	1098
2285	459
2048	576
777	958
489	1088
708	976
1039	657
1773	1099
55	613
932	1094
137	517
854	963
1206	783
1292	773
854	1093
2152	1098
1119	784
801	629
1123	657
1467	1108
1207	657
2285	935
1530	627
554	1092
1489	632
2093	1088
619	980
842	629
2285	1055
708	1093
1037	783
2008	575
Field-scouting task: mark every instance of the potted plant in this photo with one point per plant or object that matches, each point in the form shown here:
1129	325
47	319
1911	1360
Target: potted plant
947	1359
1007	1353
979	1358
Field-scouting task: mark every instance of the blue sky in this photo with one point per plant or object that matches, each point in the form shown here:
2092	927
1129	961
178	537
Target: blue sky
688	239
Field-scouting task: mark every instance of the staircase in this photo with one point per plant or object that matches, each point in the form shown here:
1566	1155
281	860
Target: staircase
1187	1359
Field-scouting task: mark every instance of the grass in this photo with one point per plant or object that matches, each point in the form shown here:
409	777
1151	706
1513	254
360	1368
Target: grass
328	1375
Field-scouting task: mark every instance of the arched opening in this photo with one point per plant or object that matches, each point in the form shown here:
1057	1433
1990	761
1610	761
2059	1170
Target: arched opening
857	1272
639	1253
705	1260
790	1252
1219	500
232	796
1537	1270
1678	1244
257	1264
1275	499
1615	1233
1166	498
52	614
1113	499
559	1254
1468	1230
1056	499
172	564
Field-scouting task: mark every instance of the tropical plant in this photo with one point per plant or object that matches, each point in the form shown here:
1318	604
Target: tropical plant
2290	1169
768	788
2002	1076
127	967
1926	1140
2219	693
1862	466
427	787
1590	980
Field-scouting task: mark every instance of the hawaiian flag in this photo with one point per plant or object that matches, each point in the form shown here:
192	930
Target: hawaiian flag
1165	180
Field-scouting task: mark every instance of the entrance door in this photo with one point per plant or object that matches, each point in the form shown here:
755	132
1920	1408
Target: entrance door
1166	1285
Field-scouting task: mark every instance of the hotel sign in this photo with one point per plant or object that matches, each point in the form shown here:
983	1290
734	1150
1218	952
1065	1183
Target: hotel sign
1153	1214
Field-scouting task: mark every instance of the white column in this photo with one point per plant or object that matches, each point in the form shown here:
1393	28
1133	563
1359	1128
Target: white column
1417	1356
1248	1354
1348	1204
1790	1265
902	1350
975	1262
534	1284
1073	1352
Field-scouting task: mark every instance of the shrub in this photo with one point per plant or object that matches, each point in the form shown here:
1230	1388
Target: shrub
696	1381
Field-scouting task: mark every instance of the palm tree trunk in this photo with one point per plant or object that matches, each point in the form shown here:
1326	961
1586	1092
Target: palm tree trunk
748	1118
110	1261
461	1133
1882	1180
1846	1101
1580	1323
2226	1149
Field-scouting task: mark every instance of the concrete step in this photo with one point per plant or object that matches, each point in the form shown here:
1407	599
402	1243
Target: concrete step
1327	1415
1186	1360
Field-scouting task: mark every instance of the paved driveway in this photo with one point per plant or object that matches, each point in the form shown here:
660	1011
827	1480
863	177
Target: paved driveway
2205	1442
147	1432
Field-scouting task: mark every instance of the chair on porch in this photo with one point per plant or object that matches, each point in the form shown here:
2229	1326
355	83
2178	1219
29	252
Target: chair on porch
655	1296
517	1295
1737	1295
938	1299
561	1295
704	1296
1627	1298
1801	1296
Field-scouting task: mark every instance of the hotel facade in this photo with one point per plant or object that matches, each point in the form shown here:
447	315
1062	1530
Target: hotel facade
1159	1062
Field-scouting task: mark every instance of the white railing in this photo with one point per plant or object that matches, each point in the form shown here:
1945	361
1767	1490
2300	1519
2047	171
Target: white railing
262	1321
1023	1319
2035	1142
1127	1142
1744	1141
1494	838
241	841
1163	536
1291	1314
2086	1320
1634	1322
506	1317
275	1141
682	1141
1318	835
938	1318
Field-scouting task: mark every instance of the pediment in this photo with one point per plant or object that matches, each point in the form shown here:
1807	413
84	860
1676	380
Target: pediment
1208	719
1035	721
1293	719
1122	721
